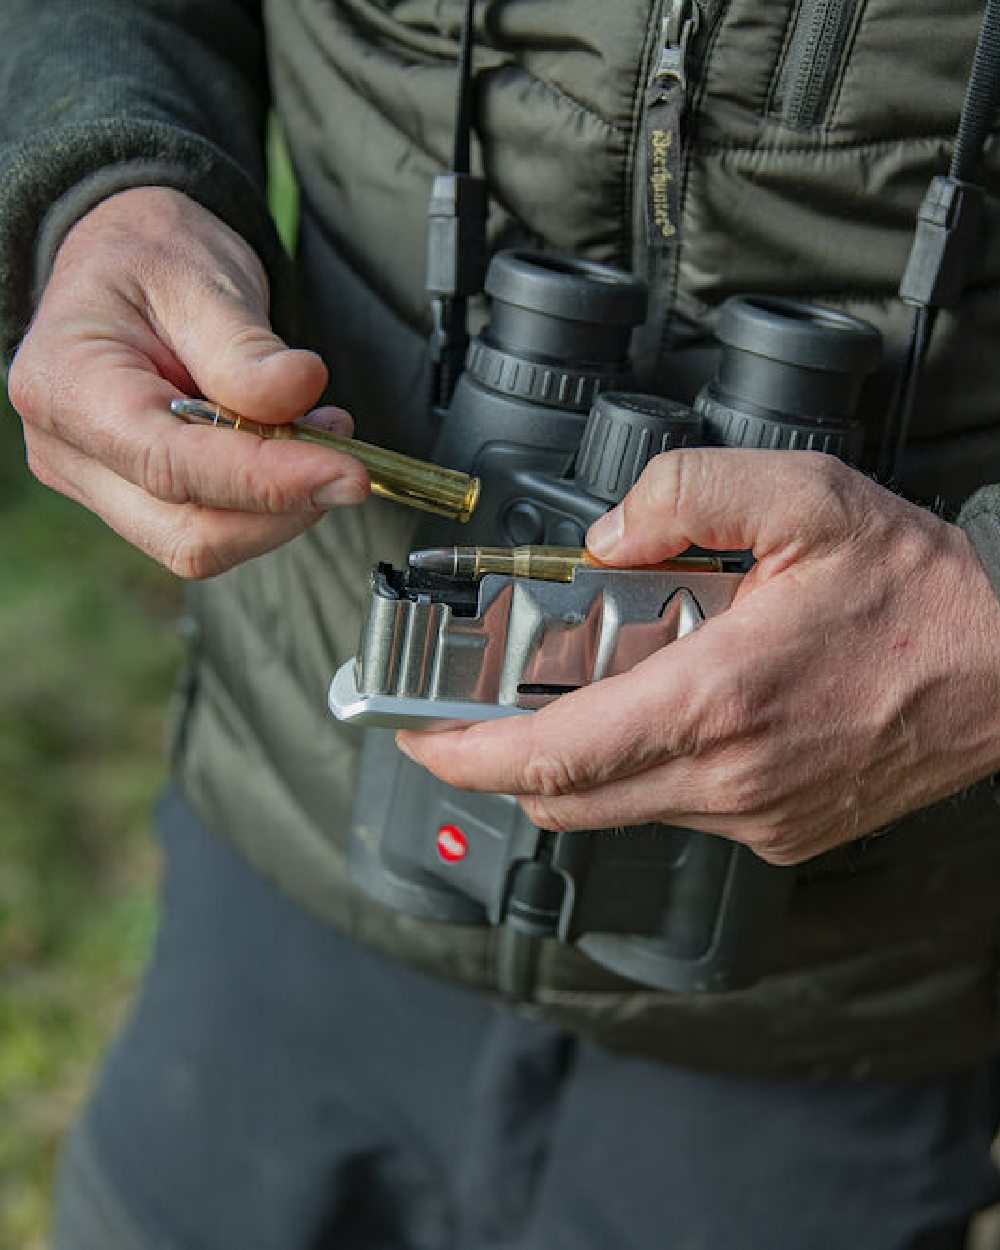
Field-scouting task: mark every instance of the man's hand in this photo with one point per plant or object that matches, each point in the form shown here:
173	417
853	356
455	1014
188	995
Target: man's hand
150	297
855	678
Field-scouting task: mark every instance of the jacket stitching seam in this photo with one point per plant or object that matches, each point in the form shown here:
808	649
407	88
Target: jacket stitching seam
565	97
514	66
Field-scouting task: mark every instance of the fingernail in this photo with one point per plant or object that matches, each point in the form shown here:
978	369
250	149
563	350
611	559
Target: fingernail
605	535
335	420
341	492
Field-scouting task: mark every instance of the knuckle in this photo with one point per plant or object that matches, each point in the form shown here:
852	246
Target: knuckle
27	384
661	478
742	792
827	473
157	473
192	559
685	470
268	495
547	774
246	340
744	781
832	486
771	843
669	484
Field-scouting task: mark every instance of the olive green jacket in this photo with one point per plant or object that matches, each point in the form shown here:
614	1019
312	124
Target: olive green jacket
802	165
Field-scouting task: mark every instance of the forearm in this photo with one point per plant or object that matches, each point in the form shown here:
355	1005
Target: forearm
99	95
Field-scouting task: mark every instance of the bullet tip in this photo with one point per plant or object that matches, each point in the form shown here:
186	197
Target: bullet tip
433	560
195	410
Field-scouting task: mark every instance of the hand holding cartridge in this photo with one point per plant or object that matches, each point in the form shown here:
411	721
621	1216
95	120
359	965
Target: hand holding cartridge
737	726
861	609
151	296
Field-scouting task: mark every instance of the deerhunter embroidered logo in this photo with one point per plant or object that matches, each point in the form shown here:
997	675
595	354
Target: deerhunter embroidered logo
660	177
663	168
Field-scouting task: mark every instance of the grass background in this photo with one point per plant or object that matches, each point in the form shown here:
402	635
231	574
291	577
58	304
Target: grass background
89	647
88	652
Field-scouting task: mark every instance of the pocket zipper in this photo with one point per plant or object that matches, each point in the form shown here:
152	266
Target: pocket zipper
812	61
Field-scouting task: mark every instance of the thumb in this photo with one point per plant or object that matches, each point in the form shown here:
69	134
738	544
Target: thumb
729	500
226	344
203	293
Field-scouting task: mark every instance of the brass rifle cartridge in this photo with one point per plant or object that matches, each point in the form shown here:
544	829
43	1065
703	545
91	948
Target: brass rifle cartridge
405	479
550	564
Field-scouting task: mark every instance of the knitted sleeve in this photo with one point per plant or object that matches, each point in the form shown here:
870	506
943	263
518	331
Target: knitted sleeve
980	518
100	95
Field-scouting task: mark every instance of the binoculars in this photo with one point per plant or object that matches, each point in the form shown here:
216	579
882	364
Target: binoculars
547	415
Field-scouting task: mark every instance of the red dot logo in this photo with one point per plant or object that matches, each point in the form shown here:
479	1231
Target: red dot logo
452	844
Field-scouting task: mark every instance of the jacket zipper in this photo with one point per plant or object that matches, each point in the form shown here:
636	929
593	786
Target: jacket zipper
678	24
665	100
673	74
812	62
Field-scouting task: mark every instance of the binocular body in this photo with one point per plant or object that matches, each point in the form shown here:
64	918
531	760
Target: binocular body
546	416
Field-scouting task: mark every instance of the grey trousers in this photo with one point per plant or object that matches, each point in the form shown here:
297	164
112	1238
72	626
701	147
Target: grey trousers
278	1088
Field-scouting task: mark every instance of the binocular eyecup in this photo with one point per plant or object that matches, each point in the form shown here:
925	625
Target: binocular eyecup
789	373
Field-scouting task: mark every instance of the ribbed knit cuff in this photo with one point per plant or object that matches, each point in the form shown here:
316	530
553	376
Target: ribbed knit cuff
50	180
980	518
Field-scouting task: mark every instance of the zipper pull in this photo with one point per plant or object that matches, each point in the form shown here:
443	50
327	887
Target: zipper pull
665	100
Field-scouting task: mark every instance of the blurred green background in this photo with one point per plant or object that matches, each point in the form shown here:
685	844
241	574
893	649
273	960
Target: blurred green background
88	646
88	653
